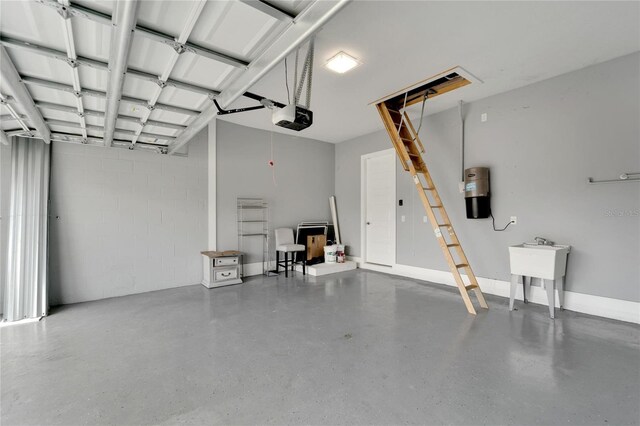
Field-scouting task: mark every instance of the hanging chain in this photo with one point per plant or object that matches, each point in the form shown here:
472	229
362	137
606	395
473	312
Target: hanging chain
310	59
295	79
306	74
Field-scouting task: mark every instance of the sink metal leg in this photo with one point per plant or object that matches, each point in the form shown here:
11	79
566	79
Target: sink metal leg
560	284
526	287
551	296
512	293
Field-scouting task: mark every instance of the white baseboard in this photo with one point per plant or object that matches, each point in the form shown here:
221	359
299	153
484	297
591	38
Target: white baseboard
617	309
22	321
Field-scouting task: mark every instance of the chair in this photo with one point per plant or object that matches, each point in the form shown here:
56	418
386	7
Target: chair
286	244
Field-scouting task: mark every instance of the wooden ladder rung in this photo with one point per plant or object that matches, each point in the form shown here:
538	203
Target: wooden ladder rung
470	287
394	111
440	225
437	206
411	154
406	140
428	188
453	245
461	265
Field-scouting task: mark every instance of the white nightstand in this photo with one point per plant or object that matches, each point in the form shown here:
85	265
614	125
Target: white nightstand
221	268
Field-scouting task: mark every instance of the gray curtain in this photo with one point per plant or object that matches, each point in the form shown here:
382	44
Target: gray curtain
25	293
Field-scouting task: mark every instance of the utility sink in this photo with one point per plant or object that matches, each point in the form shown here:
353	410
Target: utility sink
539	261
547	262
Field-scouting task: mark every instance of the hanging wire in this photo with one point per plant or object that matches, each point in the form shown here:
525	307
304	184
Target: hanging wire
493	221
424	101
272	163
404	105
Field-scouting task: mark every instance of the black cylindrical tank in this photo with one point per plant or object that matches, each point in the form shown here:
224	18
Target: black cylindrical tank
476	192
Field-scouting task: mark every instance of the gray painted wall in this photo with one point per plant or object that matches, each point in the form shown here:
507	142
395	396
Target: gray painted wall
125	222
304	179
541	143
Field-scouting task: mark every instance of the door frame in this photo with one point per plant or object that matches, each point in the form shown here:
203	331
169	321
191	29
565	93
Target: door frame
363	203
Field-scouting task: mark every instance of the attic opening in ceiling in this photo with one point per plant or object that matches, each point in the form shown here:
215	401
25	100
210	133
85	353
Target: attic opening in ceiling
431	87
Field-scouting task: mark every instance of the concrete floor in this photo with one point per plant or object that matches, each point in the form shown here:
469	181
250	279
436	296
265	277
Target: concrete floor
357	348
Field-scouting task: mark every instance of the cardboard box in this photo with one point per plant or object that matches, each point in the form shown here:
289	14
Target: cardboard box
315	246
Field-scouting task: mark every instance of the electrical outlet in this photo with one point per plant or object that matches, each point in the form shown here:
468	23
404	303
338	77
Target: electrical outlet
483	117
403	218
514	220
425	219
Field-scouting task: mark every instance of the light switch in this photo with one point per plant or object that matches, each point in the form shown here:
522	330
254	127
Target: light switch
403	218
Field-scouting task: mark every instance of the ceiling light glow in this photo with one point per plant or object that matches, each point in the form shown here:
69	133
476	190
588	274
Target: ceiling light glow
342	62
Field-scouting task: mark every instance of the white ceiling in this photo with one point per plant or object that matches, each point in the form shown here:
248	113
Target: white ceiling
505	44
229	27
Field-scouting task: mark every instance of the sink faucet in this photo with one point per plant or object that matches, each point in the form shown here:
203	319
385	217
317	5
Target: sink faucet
543	241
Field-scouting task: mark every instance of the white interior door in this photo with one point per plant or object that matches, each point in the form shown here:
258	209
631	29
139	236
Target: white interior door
380	178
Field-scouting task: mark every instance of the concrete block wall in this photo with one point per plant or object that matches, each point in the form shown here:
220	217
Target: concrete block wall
125	222
304	181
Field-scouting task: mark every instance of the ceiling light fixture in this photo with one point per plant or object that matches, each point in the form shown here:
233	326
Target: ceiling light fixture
342	62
